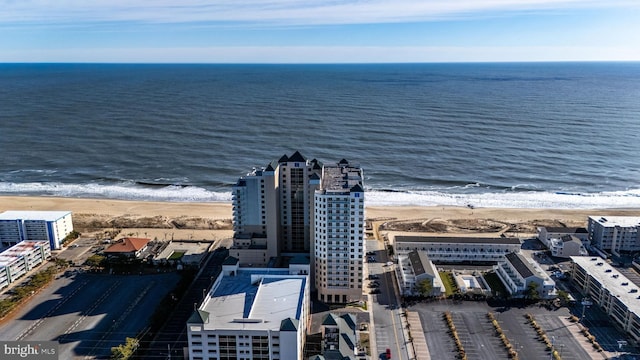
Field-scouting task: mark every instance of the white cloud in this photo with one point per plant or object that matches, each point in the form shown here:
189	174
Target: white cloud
269	12
322	54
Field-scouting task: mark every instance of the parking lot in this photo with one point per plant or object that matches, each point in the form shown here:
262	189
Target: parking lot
88	314
479	338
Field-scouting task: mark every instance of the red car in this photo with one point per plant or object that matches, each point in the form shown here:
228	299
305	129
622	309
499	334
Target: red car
388	354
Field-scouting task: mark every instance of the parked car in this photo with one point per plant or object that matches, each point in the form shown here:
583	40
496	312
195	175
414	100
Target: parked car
373	277
374	291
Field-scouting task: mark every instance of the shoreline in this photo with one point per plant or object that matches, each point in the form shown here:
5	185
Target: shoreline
213	220
223	210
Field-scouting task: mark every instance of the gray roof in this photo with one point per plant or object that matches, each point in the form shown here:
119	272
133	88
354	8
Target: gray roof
198	317
521	265
566	230
297	157
346	325
454	240
256	299
420	263
342	179
230	260
289	324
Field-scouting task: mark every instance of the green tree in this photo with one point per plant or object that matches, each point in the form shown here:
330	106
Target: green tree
425	287
125	351
95	261
563	296
532	291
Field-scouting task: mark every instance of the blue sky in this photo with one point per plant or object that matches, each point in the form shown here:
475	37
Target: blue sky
318	31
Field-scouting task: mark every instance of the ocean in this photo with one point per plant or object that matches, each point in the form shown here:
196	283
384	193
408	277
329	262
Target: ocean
529	135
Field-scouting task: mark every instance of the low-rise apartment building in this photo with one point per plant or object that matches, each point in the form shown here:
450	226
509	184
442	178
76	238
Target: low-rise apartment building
456	249
21	258
608	288
518	275
416	267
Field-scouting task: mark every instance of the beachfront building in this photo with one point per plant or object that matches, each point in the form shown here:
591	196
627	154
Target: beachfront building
19	259
255	216
273	208
416	267
127	247
456	249
546	233
615	233
298	178
52	226
520	276
339	234
567	246
607	287
251	313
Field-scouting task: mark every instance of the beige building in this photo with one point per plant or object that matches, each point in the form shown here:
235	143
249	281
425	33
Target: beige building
272	209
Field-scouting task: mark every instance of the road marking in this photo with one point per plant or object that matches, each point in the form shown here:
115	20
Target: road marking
39	322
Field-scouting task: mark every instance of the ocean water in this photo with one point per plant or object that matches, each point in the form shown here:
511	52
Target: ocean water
549	135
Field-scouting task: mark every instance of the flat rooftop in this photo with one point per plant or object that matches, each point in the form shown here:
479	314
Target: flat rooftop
33	215
455	240
611	221
340	178
255	299
613	280
18	250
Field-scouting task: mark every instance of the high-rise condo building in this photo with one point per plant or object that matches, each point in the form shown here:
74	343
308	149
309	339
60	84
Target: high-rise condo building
339	227
272	209
298	178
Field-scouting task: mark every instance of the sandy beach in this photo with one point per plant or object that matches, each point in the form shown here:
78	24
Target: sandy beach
213	220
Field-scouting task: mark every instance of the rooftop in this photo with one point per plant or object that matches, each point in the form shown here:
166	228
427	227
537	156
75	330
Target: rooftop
256	299
612	221
18	250
420	263
566	230
456	240
611	279
522	266
128	245
341	177
33	215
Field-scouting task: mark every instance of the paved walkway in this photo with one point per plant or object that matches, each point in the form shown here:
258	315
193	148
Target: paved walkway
575	328
419	343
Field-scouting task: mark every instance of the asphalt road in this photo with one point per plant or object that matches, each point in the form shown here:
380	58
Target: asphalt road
386	310
89	313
